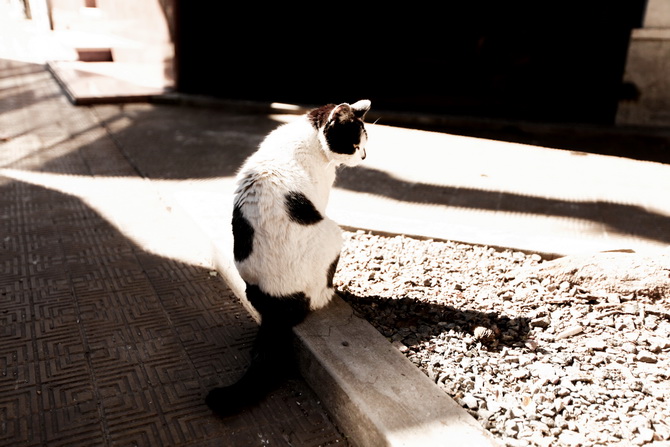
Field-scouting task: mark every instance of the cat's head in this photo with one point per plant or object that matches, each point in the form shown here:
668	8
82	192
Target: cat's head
341	131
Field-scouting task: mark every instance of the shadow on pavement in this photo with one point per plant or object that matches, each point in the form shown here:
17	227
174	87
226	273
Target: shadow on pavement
190	143
106	342
637	143
621	218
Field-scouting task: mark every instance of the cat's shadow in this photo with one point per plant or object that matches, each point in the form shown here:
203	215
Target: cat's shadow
413	321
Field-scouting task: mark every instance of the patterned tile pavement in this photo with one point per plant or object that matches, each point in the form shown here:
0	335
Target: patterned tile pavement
102	341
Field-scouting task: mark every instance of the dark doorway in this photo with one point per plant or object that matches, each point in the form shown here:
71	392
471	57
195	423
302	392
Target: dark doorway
533	61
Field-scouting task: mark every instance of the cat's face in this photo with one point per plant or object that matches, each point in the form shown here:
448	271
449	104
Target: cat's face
342	132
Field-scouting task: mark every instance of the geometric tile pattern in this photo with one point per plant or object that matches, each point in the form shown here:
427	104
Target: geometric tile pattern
102	343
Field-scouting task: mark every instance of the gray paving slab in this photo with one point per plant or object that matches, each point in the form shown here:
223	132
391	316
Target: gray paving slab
108	82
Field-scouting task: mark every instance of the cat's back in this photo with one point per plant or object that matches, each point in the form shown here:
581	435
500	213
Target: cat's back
276	169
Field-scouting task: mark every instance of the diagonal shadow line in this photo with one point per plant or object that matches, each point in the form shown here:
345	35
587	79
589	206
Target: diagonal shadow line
621	218
69	277
34	155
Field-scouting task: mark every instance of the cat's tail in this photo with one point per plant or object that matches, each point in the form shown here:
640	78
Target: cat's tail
272	364
272	357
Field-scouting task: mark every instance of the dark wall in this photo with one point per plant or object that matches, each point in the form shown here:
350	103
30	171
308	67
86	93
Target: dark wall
516	61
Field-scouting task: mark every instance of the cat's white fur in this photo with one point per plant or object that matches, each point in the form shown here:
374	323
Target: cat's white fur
288	257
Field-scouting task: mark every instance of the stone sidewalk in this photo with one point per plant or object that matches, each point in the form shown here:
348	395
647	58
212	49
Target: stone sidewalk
114	324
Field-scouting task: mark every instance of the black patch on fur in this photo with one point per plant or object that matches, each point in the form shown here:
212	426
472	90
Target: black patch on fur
343	131
243	236
286	310
342	136
331	272
319	117
301	210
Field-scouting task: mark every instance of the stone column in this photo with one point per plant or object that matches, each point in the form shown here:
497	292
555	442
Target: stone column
647	70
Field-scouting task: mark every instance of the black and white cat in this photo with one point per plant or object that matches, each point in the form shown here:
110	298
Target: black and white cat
285	248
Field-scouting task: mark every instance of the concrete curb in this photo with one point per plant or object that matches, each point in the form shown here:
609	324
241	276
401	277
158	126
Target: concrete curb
375	394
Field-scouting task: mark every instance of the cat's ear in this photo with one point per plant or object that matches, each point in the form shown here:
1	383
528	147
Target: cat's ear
344	111
360	108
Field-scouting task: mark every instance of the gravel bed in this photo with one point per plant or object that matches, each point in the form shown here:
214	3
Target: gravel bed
537	363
